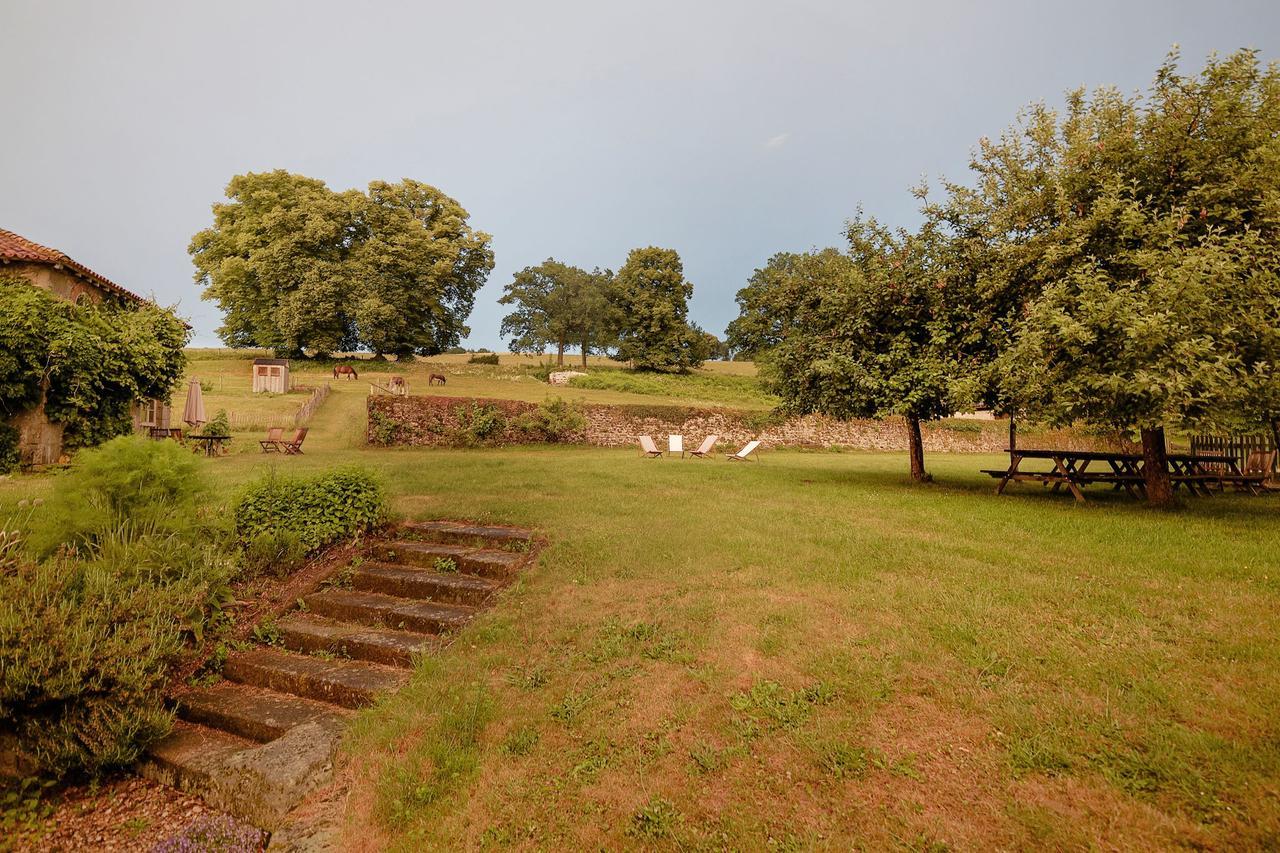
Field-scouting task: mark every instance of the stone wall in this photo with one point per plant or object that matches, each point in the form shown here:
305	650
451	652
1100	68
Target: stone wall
436	421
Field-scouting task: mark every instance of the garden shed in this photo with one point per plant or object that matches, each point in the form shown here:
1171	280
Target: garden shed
271	374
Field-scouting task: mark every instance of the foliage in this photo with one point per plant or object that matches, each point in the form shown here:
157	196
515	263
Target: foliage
293	264
872	336
768	304
478	423
483	358
129	482
318	510
1123	256
386	429
554	420
9	455
558	305
89	363
652	296
220	425
86	642
276	552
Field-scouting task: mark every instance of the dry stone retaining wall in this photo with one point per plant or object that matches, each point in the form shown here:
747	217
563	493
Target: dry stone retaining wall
437	421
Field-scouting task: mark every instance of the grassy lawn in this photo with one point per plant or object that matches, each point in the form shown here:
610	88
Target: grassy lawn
812	652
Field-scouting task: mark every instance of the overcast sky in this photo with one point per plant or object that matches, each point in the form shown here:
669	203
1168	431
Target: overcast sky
728	131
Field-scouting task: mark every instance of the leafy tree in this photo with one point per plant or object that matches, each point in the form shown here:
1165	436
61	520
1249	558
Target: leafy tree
871	337
715	349
295	265
652	296
1124	256
559	305
773	294
421	265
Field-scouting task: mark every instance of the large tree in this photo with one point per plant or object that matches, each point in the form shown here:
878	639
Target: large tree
871	335
295	265
774	293
559	305
1125	256
652	297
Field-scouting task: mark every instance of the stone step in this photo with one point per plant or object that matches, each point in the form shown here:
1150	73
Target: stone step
258	783
309	632
389	611
414	582
349	683
486	562
476	535
251	712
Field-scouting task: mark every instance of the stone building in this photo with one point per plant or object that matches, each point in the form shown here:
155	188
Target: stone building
40	441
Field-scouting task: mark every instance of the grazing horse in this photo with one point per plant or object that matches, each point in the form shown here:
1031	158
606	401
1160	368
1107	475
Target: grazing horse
345	371
397	385
433	379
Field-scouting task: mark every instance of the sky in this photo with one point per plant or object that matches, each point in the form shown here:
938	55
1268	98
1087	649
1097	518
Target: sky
728	131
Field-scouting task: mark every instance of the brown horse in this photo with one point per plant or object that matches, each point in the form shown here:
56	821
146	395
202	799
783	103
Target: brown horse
397	385
434	378
345	371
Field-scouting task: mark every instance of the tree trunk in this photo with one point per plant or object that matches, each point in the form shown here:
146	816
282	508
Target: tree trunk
1155	468
916	445
586	344
560	354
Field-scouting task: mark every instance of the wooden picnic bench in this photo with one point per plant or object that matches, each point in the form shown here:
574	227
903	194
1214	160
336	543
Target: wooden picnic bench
1198	473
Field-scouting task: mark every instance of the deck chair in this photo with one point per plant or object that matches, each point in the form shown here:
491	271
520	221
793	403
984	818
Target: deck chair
648	448
1257	469
704	449
294	446
675	444
271	444
744	454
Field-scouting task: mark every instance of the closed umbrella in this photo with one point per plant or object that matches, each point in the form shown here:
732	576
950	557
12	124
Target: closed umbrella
193	414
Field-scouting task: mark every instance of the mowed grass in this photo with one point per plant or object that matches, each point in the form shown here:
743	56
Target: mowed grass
813	652
728	384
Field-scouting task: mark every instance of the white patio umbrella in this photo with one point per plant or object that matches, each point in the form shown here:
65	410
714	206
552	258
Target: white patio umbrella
193	414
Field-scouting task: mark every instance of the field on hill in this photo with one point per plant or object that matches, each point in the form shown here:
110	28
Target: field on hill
812	652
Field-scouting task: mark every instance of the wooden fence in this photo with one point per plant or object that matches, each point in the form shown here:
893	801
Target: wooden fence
1239	446
317	398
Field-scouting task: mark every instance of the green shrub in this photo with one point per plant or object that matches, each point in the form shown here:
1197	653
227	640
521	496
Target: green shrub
554	420
9	457
220	425
151	486
276	552
86	646
483	358
386	429
317	510
479	423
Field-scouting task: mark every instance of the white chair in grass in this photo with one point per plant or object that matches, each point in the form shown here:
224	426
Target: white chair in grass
746	451
675	444
648	448
704	449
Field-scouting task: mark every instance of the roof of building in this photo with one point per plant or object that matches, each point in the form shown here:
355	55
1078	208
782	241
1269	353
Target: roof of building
16	248
283	362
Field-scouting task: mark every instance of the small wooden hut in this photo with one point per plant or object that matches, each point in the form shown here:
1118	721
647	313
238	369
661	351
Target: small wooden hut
271	374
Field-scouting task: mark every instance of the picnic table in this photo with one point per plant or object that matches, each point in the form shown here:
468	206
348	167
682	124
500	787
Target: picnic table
211	442
1076	469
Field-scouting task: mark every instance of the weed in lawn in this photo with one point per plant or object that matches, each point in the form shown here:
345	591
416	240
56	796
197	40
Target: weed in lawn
569	709
770	703
268	633
527	677
843	760
521	741
656	819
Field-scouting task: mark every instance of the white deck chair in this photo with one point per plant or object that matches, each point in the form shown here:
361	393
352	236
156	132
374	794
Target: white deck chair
704	449
675	444
746	451
648	448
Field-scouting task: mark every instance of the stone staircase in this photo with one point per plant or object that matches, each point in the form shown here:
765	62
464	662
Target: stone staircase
262	739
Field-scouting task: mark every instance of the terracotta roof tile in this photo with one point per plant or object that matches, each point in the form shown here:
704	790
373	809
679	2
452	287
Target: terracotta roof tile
16	248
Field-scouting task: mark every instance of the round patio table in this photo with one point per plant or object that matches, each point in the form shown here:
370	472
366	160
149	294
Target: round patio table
211	442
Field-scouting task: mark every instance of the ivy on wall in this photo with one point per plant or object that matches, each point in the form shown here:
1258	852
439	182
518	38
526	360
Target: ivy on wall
89	362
